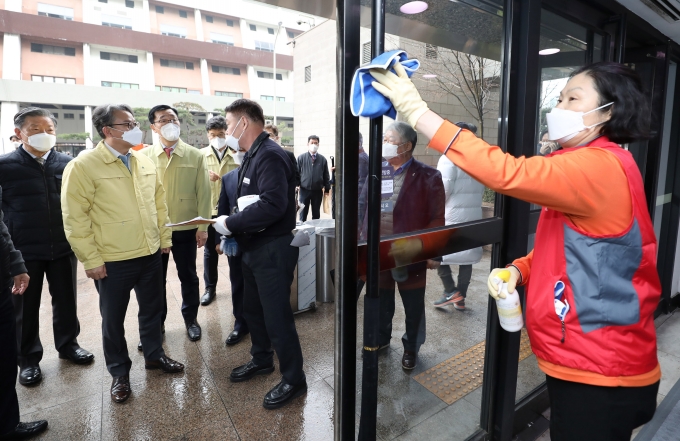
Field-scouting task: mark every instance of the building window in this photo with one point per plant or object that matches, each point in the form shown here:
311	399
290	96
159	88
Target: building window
160	10
430	51
173	31
281	98
230	23
56	115
129	3
117	85
366	53
290	125
229	94
201	121
171	89
54	50
183	14
253	28
264	46
69	116
177	64
226	70
82	116
308	74
208	18
116	22
112	56
266	98
270	31
48	79
103	1
55	11
222	39
290	34
269	75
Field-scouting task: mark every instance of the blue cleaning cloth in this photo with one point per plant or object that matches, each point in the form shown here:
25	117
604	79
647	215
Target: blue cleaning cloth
365	100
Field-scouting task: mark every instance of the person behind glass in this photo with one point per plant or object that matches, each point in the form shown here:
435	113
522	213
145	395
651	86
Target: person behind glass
405	211
263	231
183	172
14	279
31	178
113	206
592	283
314	178
219	162
16	141
274	136
546	146
463	204
227	206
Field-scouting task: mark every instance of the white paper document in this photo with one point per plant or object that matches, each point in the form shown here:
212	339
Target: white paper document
195	221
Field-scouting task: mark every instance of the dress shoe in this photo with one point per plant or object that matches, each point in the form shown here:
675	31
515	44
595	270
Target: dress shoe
248	371
235	337
120	388
408	360
208	296
194	331
30	375
167	365
282	394
25	430
78	356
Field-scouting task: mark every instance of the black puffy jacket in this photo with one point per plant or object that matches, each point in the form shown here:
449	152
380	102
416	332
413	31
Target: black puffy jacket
32	204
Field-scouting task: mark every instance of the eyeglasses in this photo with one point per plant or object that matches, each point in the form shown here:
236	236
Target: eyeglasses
166	121
129	125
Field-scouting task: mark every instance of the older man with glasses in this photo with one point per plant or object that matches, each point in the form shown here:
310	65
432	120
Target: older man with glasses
114	212
184	175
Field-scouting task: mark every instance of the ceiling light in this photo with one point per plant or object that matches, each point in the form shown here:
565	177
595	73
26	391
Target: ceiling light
413	7
548	51
429	76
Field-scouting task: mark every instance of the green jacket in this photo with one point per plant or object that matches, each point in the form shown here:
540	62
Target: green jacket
221	168
111	213
185	179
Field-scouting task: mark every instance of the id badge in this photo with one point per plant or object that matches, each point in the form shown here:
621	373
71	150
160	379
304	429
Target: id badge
387	206
387	180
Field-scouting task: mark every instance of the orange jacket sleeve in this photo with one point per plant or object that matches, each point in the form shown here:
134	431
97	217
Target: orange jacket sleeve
523	264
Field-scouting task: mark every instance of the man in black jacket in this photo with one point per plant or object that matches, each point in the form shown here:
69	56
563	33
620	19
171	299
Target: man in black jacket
314	178
263	231
274	136
11	267
31	179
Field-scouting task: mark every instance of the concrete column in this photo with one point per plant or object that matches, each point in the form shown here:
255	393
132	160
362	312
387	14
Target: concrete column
7	112
11	57
14	5
149	80
88	126
146	17
199	25
87	66
205	78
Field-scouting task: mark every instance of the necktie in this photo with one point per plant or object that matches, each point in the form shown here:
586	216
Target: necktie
41	161
125	160
313	158
168	151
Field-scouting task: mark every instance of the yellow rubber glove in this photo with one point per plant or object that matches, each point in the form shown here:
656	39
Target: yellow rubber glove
494	281
401	91
403	251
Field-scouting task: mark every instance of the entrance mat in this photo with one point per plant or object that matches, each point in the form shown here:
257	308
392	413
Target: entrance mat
456	377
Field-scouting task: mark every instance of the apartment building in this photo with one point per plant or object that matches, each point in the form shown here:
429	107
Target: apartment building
72	55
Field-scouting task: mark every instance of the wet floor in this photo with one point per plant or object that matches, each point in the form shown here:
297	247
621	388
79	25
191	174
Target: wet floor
201	403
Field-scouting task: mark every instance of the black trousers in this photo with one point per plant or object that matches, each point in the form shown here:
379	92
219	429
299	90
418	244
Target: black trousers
414	309
184	252
268	274
464	277
581	412
236	278
62	280
210	260
145	275
313	198
9	404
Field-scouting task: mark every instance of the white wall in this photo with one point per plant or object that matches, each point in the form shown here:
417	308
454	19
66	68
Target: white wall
265	86
119	71
139	15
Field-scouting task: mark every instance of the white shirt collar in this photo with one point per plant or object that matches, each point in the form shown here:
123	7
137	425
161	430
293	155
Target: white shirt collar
33	156
113	151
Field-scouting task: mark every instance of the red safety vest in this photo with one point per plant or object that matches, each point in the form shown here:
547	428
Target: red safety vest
610	283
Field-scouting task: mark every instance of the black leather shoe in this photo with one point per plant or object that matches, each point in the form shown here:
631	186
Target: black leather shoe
194	331
409	360
235	337
120	388
282	394
208	296
78	356
30	375
248	371
139	346
167	365
25	430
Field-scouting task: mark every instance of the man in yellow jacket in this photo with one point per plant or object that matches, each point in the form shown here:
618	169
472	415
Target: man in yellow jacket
184	175
219	161
113	206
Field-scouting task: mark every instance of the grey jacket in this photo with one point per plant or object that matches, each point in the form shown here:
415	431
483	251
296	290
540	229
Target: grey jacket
314	176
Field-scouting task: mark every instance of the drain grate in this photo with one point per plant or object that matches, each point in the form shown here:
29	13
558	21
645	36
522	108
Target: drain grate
456	377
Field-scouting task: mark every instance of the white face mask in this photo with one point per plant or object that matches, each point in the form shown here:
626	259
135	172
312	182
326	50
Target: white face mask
238	157
17	144
231	141
218	143
313	148
133	137
563	124
170	132
389	151
42	142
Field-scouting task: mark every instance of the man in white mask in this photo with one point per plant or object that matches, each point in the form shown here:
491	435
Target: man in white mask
314	178
16	141
220	160
31	179
114	214
183	172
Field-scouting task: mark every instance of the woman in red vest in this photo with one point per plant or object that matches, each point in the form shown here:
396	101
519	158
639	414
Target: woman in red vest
592	283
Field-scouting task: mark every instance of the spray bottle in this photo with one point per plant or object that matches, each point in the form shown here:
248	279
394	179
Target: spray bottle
509	308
